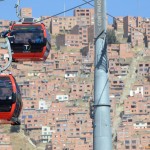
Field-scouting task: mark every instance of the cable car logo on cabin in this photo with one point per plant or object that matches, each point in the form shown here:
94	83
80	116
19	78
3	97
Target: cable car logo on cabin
26	48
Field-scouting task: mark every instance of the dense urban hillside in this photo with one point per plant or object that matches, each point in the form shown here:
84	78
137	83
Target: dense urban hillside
57	94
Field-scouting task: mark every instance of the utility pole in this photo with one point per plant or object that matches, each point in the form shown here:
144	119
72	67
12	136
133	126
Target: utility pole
102	138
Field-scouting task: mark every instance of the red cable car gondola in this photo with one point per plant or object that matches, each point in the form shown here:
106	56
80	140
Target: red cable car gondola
29	40
10	99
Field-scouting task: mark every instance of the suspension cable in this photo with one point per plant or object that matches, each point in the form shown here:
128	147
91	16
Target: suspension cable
65	11
117	19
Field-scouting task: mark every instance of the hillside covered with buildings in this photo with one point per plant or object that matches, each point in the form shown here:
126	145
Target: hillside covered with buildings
58	93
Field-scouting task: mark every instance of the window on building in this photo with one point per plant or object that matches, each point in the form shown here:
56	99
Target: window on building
133	106
127	141
115	82
30	116
130	120
148	123
133	147
23	117
133	141
127	147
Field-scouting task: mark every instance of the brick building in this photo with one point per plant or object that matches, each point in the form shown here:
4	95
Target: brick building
4	25
26	12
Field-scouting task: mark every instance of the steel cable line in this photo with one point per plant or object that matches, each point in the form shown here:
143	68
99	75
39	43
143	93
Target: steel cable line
117	19
87	2
128	25
65	11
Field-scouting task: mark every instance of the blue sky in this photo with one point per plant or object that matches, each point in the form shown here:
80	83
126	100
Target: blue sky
51	7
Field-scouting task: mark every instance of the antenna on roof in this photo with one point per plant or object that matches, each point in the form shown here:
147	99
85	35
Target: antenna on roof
64	8
17	9
138	7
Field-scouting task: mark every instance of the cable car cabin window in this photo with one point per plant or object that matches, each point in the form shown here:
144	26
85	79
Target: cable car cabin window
5	88
27	38
5	94
48	36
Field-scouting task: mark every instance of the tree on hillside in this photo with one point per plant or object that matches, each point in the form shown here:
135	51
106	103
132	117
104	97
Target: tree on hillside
111	37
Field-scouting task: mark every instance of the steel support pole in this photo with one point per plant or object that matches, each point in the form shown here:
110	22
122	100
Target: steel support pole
102	138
